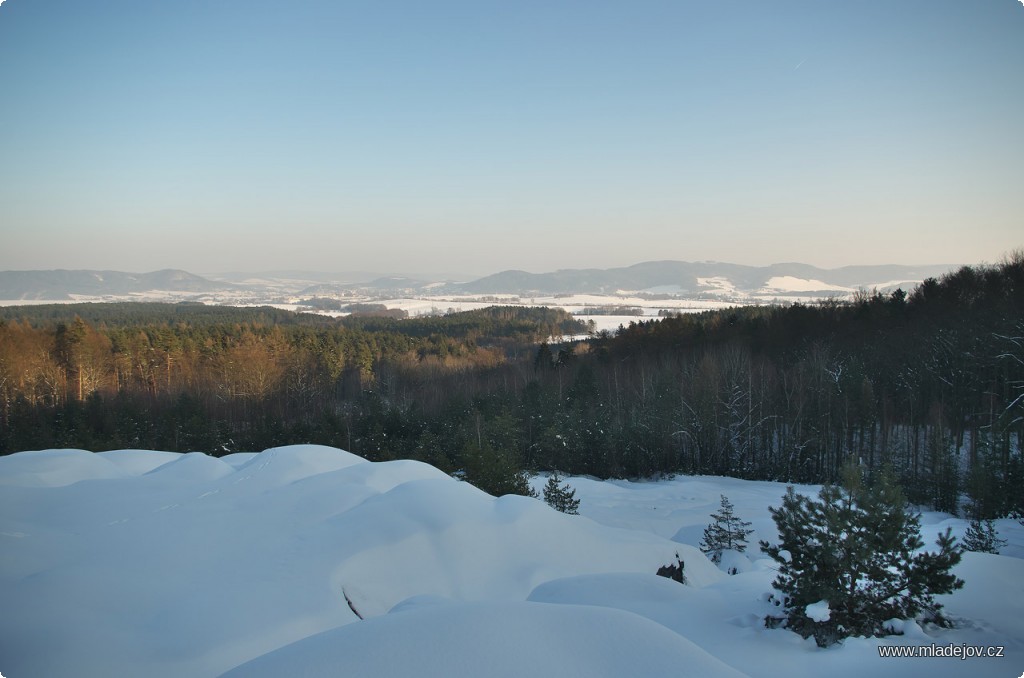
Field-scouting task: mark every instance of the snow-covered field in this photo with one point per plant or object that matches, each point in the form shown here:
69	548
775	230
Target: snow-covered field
135	563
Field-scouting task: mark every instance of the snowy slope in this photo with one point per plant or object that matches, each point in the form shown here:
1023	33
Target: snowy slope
160	564
495	640
195	566
725	618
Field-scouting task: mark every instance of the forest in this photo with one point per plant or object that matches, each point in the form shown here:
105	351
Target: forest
929	384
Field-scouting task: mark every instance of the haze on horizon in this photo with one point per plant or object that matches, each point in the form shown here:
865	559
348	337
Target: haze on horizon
471	137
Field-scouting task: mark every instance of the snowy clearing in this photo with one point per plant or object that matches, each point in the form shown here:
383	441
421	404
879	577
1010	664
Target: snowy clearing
160	564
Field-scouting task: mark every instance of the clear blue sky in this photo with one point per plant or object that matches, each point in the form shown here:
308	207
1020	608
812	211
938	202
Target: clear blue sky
474	136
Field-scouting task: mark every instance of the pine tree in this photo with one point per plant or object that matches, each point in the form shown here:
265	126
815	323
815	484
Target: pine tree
493	471
544	358
560	496
856	548
983	537
725	532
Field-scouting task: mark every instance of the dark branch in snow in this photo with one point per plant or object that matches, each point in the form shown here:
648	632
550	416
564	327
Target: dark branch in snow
351	606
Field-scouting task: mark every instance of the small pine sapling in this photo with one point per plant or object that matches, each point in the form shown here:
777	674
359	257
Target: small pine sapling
725	532
560	496
982	536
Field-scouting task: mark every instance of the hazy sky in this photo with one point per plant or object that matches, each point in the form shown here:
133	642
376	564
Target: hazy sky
477	135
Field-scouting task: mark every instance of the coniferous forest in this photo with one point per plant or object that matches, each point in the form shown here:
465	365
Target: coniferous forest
929	384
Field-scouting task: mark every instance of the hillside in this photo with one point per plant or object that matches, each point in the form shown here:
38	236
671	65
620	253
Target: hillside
62	284
682	278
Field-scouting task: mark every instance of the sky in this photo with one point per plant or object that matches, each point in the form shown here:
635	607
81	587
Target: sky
471	136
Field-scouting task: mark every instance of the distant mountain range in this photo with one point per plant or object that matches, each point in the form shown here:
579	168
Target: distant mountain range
683	278
62	285
677	279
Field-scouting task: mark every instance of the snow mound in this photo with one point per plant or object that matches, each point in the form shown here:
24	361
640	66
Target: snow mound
819	611
201	564
192	467
619	590
284	465
238	459
445	538
386	475
735	562
494	640
55	468
137	462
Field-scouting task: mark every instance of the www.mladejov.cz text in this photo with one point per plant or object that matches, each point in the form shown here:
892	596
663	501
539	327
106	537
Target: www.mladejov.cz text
951	650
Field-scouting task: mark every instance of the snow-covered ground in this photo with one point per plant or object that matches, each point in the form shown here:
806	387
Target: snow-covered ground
160	564
787	283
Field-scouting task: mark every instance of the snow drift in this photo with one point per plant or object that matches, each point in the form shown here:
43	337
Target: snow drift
308	560
140	563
